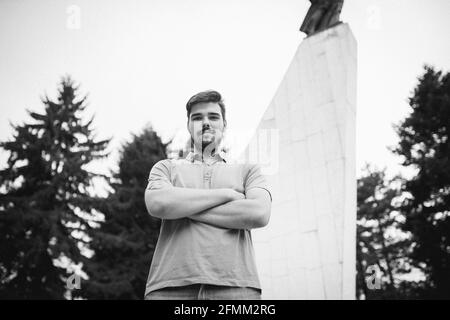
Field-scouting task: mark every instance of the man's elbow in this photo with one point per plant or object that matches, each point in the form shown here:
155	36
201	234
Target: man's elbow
262	219
153	204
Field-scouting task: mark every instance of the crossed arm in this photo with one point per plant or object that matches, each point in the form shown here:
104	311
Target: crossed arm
225	208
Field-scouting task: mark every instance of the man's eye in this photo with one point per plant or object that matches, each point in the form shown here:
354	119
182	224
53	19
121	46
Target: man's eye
196	118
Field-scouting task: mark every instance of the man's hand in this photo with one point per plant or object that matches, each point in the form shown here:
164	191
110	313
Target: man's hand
235	195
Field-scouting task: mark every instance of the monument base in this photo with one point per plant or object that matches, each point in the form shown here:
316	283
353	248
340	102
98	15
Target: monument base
307	251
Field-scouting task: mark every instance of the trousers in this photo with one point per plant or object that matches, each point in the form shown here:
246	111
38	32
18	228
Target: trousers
205	292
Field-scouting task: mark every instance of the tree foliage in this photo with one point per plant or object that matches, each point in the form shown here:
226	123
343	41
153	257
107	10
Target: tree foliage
424	146
125	242
382	248
44	198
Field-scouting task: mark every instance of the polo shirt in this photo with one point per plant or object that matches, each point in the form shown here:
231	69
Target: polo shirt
191	252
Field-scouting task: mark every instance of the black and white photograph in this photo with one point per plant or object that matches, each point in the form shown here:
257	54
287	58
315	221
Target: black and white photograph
253	151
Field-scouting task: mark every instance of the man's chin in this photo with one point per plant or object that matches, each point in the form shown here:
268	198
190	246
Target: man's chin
208	147
208	140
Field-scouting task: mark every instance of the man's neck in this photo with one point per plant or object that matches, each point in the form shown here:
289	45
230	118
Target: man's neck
206	155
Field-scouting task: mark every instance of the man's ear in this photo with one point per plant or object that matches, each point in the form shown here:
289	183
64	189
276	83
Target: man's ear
224	124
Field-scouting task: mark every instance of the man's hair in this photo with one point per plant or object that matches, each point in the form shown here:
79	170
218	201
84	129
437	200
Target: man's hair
205	97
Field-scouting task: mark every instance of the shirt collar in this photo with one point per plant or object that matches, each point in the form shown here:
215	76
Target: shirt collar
192	157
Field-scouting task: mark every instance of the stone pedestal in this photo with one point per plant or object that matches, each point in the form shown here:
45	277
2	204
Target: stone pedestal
305	144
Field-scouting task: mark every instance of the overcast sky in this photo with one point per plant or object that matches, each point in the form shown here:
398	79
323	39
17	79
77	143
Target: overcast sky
141	60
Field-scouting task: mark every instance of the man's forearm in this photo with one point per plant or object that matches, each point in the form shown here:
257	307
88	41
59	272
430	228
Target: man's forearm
176	203
238	214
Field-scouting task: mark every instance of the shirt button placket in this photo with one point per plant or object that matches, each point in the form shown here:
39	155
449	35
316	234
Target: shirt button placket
207	176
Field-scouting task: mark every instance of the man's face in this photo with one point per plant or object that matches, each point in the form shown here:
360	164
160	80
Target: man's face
206	126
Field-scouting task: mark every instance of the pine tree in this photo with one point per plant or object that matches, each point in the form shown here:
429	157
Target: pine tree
44	201
381	246
424	146
125	242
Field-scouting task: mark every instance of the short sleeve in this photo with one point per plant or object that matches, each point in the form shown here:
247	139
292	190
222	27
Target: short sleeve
159	176
255	179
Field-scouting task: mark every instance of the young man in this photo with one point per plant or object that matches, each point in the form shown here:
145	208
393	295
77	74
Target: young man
208	208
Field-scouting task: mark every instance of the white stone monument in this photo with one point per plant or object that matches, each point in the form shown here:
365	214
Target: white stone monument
305	144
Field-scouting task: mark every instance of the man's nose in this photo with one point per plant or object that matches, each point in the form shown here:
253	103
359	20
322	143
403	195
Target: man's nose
206	122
